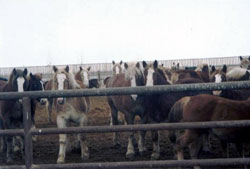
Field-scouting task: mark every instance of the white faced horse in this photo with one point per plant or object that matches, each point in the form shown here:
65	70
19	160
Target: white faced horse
70	109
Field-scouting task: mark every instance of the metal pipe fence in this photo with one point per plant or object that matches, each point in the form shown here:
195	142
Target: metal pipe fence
27	132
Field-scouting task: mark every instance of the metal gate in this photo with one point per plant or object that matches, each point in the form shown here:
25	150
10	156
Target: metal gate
27	132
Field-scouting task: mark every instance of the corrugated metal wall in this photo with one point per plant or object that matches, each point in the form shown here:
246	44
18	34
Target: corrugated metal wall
107	67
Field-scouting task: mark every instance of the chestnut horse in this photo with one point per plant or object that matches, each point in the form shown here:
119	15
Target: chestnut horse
70	109
129	105
83	75
11	113
207	108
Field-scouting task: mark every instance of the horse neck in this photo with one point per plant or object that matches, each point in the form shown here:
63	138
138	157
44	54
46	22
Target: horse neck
72	82
78	76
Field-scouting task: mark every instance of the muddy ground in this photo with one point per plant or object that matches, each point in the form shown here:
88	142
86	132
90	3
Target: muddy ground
45	149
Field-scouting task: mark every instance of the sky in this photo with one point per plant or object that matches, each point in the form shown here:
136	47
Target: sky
57	32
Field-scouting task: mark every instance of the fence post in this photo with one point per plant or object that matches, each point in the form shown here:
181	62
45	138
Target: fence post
27	135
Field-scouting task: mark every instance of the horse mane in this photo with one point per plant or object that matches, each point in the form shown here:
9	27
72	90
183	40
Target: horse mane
72	81
164	71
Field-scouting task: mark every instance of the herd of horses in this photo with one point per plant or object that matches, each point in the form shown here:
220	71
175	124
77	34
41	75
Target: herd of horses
184	106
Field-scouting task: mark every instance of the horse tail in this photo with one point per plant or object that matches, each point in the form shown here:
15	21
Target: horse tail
176	115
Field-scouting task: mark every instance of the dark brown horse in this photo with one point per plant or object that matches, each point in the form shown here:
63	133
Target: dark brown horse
157	106
130	106
11	112
207	108
70	109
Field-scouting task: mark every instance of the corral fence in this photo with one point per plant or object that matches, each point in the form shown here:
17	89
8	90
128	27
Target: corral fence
27	132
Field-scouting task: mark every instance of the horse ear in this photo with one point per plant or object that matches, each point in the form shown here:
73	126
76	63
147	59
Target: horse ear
113	62
144	64
213	69
126	65
55	69
121	62
138	65
224	69
67	69
155	64
80	68
25	72
31	76
241	58
14	71
89	68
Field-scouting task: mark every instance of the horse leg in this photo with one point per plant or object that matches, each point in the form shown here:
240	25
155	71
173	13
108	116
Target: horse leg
9	155
141	143
61	123
156	146
83	141
194	148
192	139
114	121
225	147
130	154
49	105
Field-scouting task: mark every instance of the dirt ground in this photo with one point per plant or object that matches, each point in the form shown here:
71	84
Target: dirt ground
45	149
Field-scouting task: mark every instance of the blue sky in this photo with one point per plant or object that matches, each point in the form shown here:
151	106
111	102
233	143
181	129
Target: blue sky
43	32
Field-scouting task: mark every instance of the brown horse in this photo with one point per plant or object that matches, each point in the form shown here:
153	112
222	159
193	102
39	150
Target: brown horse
49	103
11	113
83	75
130	106
117	68
157	106
70	109
202	73
207	108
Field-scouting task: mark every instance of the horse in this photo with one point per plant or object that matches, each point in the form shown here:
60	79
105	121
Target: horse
129	105
83	75
245	62
202	73
157	106
117	67
70	109
11	113
238	74
94	83
207	108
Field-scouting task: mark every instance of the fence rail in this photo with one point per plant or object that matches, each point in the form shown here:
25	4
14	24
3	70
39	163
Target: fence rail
27	132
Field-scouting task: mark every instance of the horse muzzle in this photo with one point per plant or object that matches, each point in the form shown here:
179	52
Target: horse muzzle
217	92
61	100
43	101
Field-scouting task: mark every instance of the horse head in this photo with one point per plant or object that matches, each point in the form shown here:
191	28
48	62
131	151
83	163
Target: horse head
154	74
245	62
63	80
36	84
217	76
117	68
84	75
134	75
18	81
